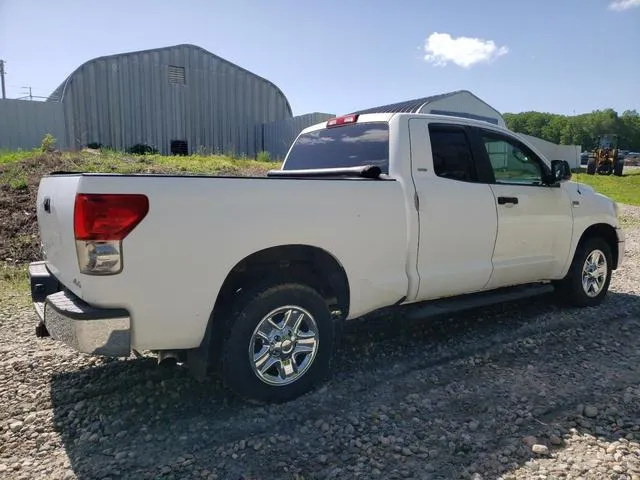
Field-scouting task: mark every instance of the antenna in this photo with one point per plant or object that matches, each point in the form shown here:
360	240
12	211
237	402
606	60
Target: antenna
579	165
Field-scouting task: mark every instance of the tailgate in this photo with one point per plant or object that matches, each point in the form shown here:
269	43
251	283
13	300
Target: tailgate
55	204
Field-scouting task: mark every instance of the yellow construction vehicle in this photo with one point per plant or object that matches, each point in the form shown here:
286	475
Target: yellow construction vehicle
605	158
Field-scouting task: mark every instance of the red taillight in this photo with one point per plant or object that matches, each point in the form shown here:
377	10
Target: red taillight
334	122
107	216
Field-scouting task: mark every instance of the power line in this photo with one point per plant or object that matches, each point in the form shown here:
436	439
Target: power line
30	95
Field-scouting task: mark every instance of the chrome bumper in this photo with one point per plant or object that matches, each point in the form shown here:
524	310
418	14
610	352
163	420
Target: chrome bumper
69	319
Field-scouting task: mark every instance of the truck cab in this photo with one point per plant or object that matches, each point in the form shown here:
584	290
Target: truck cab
485	209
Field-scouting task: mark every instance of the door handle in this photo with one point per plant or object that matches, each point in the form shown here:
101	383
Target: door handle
505	200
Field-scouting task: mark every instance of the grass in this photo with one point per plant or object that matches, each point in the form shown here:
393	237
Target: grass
110	161
625	189
14	285
10	156
16	167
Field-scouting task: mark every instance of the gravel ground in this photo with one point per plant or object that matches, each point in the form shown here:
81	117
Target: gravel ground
517	391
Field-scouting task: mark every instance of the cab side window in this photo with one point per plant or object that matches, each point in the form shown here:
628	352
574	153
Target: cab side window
511	161
451	152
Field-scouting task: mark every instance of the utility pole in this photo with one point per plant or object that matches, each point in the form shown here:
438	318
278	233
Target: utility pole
4	93
28	88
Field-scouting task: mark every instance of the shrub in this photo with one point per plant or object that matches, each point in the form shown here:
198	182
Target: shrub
263	156
19	183
141	149
48	143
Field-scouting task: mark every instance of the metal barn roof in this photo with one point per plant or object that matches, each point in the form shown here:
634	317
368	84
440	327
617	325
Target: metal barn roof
58	94
421	105
407	106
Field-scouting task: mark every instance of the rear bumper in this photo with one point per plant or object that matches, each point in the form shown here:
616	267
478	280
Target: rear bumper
67	318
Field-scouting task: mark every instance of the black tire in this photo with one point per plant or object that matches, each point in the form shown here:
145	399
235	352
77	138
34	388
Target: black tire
591	168
619	168
236	366
605	168
570	290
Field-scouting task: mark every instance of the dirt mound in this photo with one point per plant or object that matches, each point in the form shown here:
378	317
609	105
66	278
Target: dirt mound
19	239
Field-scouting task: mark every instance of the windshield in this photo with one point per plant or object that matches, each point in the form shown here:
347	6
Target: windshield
346	146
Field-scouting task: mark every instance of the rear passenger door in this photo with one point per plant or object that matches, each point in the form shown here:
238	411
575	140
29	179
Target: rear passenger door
456	208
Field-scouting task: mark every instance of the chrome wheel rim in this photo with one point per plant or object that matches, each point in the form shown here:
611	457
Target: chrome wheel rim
283	345
594	273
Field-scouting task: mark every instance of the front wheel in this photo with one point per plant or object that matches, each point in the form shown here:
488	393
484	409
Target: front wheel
279	343
619	168
587	281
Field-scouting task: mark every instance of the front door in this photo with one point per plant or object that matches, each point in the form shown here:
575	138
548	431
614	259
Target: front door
457	214
535	220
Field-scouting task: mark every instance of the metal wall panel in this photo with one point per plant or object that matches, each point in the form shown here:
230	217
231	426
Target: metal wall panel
137	97
277	137
570	153
23	123
465	104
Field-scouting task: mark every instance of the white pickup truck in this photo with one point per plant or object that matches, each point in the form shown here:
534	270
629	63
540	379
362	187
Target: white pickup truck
253	277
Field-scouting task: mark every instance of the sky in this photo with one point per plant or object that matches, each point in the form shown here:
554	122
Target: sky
336	56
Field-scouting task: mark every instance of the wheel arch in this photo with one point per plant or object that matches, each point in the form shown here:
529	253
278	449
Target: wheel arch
296	261
306	264
608	233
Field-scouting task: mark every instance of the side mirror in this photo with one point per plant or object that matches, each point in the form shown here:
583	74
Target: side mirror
560	170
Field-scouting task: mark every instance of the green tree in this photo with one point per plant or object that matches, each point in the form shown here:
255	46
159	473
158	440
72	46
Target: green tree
581	129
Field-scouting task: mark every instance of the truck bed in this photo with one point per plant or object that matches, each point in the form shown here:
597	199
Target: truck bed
360	222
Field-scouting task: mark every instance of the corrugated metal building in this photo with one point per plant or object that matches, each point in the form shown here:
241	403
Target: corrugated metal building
463	103
460	103
181	96
277	137
570	153
23	124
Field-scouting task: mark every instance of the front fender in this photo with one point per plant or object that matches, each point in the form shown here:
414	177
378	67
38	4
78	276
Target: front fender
593	213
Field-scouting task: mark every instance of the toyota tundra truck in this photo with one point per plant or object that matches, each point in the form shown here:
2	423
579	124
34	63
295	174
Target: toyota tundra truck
253	278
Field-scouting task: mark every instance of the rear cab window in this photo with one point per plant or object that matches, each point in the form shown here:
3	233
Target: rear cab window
343	146
452	154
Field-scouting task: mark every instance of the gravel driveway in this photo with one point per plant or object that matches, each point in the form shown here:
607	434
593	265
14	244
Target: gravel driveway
516	391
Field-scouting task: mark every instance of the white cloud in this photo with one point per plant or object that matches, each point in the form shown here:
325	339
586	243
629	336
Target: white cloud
372	135
314	139
441	49
620	5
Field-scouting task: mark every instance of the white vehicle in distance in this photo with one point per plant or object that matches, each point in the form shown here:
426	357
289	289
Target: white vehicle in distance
254	277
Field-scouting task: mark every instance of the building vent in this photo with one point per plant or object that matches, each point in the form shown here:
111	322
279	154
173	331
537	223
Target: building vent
176	75
179	147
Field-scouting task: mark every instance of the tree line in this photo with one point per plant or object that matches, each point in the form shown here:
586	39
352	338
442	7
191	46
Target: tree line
579	129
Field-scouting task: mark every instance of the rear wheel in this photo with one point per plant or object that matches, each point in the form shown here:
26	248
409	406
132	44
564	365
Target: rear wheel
279	343
591	167
587	281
